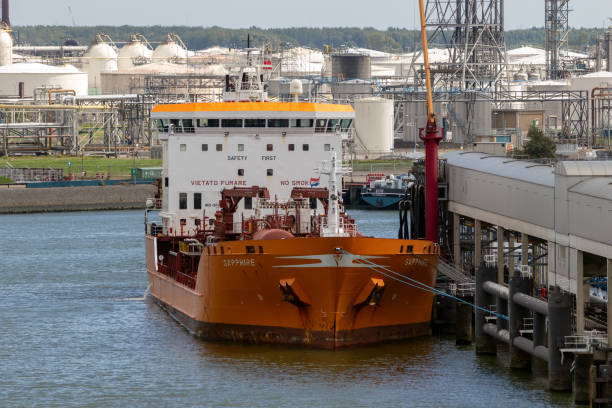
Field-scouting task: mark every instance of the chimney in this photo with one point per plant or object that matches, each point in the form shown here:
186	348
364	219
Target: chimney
5	13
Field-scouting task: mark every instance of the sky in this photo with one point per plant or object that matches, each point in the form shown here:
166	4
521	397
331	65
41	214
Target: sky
275	13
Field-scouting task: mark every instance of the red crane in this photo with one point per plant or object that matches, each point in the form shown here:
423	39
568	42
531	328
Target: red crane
431	141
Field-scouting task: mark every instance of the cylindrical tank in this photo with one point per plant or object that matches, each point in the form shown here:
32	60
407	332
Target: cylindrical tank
100	57
295	88
374	125
133	51
169	50
34	75
6	48
351	66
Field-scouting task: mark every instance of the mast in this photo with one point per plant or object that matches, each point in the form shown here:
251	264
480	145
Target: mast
431	141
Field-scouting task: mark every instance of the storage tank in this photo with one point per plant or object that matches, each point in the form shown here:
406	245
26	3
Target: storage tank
6	47
374	125
169	50
134	51
34	75
100	57
351	66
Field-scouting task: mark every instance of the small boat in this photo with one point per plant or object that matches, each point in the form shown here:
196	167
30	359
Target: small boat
386	191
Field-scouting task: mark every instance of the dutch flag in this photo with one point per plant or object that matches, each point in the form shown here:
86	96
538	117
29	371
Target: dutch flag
314	182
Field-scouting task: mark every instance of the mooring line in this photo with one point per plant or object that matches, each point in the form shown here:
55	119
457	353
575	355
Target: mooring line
420	285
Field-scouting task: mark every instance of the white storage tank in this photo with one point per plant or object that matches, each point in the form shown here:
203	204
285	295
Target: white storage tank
374	125
6	47
134	51
169	50
34	75
100	57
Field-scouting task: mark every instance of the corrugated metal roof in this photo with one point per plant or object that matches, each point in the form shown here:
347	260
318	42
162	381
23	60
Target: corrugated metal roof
503	166
600	187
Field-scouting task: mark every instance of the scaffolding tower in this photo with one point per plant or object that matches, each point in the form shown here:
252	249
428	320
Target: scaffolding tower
472	33
557	29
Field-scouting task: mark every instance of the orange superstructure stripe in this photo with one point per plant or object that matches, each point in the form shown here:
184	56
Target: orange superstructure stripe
253	106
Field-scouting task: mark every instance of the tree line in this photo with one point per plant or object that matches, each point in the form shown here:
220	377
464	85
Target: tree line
390	40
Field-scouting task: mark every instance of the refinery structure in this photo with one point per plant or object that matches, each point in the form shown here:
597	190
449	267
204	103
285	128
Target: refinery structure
98	97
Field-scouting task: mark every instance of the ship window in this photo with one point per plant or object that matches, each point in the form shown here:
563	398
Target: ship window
176	124
327	147
269	172
332	124
231	122
345	124
291	147
241	172
260	249
166	182
204	147
278	123
320	126
208	122
222	250
188	126
182	201
241	147
248	203
255	123
409	249
162	125
269	147
302	123
305	147
313	203
250	249
197	222
401	248
183	147
219	147
197	201
215	250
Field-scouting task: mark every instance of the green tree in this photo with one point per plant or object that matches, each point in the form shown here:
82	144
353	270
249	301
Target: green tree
539	146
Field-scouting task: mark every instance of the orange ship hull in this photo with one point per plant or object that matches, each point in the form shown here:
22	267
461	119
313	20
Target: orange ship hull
316	292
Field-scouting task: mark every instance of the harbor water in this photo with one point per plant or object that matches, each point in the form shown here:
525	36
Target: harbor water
77	331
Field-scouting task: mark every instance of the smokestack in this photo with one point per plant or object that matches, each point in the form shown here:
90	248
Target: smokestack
5	13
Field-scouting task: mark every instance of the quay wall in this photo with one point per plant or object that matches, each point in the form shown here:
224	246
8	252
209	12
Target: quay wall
113	197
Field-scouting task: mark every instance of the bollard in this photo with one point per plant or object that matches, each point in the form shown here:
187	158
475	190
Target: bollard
559	315
484	343
463	324
517	284
581	383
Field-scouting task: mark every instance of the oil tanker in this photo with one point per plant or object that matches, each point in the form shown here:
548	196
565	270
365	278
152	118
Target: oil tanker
248	242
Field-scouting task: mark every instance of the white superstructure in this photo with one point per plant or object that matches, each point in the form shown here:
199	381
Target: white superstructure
208	147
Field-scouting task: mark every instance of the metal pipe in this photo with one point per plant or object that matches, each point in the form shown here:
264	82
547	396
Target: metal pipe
501	335
496	289
531	303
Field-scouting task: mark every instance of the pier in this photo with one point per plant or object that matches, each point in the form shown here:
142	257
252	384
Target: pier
526	239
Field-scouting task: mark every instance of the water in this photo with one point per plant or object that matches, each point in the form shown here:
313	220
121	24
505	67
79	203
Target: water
74	332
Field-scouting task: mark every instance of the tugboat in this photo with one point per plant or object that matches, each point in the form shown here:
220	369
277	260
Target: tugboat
387	191
246	250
